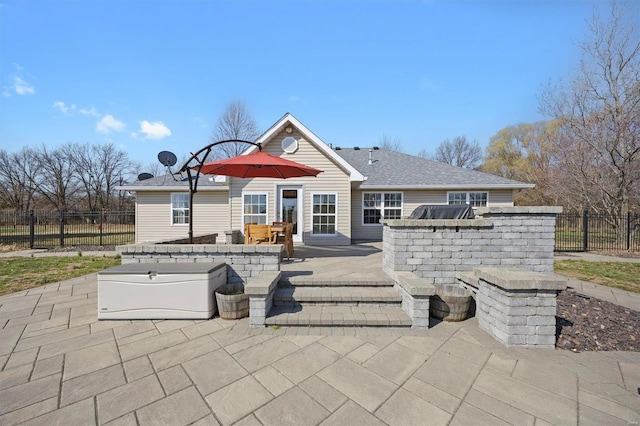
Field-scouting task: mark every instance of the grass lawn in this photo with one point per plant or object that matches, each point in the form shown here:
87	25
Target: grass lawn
622	275
22	273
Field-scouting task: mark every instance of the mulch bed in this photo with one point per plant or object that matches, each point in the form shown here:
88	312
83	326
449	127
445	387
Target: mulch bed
588	324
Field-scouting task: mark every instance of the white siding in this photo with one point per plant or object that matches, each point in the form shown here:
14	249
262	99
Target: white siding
333	180
153	216
410	201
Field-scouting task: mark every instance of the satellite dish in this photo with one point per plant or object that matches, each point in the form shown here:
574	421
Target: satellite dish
167	158
144	176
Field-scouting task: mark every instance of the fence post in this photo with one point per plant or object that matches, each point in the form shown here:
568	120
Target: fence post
101	223
61	228
628	230
32	229
585	231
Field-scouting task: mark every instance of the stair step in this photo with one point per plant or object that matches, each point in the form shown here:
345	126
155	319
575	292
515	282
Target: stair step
365	295
338	316
332	282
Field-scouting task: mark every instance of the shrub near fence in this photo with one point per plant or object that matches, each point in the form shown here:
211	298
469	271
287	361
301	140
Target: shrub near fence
39	229
588	231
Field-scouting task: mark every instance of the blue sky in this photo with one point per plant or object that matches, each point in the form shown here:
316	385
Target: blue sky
155	75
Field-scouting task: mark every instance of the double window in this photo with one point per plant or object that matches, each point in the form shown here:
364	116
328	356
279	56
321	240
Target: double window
377	206
324	214
254	208
179	209
474	199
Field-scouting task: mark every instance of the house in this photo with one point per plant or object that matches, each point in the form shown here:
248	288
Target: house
357	189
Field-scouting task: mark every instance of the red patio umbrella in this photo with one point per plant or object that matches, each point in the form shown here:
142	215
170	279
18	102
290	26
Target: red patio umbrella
258	165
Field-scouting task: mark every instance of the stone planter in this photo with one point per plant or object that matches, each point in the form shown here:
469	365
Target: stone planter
450	303
232	302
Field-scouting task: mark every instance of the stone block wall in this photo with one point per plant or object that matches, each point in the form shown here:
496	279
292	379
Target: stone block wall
435	249
243	261
517	307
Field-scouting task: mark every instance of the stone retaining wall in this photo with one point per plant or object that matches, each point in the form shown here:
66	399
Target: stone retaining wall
516	307
243	261
435	249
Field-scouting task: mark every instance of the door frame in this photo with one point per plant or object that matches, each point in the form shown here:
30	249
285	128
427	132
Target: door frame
300	188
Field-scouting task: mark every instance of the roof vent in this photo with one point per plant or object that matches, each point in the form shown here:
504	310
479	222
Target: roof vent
357	148
338	148
370	156
375	148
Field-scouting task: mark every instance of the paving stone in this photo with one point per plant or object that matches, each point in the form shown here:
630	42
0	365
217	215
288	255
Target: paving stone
9	338
323	393
27	413
82	412
342	345
28	319
466	350
352	414
609	407
21	358
431	394
363	353
250	420
547	375
213	371
18	304
137	368
126	420
407	409
448	373
208	421
151	344
182	352
630	375
29	393
201	329
105	325
47	367
90	359
385	363
267	352
305	362
274	381
591	416
137	337
181	408
499	409
124	399
45	331
468	414
170	325
75	344
302	340
358	383
538	402
505	366
293	407
15	376
231	403
91	384
174	379
136	327
424	345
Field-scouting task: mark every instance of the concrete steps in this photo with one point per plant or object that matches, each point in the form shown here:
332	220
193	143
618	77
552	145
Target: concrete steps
300	301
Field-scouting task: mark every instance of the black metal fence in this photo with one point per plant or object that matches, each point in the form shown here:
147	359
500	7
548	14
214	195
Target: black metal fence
50	229
588	231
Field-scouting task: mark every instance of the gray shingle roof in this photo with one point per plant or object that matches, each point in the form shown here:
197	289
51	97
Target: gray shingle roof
394	169
178	180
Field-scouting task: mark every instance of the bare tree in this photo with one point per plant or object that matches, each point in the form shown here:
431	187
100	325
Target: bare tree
459	152
235	123
57	180
17	171
389	143
599	114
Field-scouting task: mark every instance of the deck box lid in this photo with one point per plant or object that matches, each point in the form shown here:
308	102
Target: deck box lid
163	268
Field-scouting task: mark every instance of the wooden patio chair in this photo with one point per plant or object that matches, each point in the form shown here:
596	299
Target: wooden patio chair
261	234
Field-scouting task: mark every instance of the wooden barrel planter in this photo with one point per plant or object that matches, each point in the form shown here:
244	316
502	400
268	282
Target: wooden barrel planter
232	302
450	303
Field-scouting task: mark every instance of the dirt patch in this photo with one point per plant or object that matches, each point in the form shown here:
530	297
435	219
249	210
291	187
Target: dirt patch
588	324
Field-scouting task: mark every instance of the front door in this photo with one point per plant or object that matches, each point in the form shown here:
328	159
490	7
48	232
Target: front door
290	208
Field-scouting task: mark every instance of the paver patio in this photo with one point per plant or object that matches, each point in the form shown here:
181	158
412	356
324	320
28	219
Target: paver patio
60	365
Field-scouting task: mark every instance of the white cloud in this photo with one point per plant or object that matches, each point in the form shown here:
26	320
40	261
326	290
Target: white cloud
64	108
109	124
155	130
91	111
22	87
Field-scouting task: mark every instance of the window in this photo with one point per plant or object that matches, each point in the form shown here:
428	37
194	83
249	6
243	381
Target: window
474	199
324	214
377	206
254	208
179	209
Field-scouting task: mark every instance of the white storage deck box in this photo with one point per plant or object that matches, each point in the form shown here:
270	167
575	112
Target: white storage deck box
160	290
